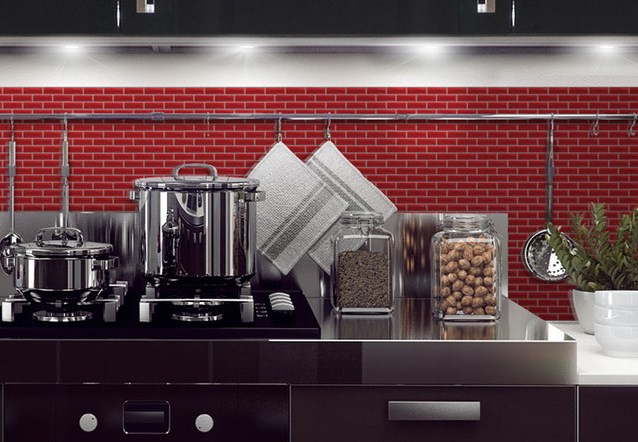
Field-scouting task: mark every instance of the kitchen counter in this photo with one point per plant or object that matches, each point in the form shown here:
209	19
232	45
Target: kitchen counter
406	347
594	367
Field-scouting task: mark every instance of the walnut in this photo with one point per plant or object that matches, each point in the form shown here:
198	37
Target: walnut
462	274
464	264
452	267
478	302
487	257
452	277
490	299
467	290
454	255
444	305
490	310
457	296
451	300
445	292
445	259
481	291
466	301
477	261
488	271
488	281
451	311
458	285
479	311
478	250
468	310
469	279
458	305
478	281
468	254
459	246
475	271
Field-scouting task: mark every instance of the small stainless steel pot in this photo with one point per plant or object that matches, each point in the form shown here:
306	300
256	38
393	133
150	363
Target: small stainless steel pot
62	268
197	229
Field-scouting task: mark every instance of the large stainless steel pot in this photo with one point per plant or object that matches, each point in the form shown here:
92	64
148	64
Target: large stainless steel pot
60	266
198	229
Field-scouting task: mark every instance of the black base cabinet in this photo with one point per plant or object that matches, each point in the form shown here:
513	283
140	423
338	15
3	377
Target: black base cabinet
608	413
146	412
409	413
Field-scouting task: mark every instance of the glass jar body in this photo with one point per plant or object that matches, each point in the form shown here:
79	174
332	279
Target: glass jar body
466	269
362	270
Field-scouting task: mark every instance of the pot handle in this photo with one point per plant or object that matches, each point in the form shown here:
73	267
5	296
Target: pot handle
60	233
109	263
212	170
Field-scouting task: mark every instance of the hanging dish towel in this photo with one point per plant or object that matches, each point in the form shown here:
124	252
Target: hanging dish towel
349	183
299	208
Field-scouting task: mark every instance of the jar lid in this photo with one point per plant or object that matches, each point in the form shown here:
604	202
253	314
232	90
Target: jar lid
361	217
197	182
466	220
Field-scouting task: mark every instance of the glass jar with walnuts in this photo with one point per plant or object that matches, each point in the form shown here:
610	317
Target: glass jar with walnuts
466	269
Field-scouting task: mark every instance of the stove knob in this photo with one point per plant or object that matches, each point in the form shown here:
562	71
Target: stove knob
88	422
204	423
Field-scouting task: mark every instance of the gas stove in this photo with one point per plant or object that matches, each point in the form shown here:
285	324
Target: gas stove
251	315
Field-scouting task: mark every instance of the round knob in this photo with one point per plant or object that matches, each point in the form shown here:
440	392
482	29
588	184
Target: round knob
88	422
204	423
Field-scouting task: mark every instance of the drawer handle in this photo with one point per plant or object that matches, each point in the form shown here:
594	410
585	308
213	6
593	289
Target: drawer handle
433	411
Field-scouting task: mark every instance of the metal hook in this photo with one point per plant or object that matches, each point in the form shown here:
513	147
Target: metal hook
278	128
595	129
12	128
207	124
632	127
327	134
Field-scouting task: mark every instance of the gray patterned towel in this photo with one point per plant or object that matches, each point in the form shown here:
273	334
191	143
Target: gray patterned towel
350	184
299	208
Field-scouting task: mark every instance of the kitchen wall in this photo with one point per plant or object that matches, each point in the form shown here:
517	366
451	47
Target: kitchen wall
425	167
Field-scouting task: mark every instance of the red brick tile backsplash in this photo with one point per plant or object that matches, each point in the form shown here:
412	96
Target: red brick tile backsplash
422	166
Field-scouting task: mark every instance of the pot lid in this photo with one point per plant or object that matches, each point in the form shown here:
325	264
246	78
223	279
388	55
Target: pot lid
197	182
64	242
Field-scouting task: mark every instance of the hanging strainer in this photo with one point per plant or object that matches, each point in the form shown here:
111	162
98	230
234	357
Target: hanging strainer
538	256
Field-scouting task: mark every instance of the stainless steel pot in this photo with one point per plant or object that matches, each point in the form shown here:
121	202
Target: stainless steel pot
62	268
198	229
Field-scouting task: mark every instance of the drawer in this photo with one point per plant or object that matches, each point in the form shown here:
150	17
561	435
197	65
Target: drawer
380	413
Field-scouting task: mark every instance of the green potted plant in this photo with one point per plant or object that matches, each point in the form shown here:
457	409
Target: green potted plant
596	258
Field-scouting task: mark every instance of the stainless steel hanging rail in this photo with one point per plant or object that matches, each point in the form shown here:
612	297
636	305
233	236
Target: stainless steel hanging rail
161	116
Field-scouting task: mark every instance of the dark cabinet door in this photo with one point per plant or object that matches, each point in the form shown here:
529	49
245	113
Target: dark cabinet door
576	17
608	413
60	17
454	413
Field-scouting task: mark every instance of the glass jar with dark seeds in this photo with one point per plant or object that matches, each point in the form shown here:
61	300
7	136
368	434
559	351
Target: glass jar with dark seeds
362	273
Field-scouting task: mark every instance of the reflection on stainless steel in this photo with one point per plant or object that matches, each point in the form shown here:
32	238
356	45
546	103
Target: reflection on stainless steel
215	236
478	331
362	326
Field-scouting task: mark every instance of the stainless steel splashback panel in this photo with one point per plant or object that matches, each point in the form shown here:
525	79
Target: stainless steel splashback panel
412	233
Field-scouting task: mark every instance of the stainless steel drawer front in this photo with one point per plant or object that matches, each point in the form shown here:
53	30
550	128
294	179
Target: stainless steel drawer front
433	411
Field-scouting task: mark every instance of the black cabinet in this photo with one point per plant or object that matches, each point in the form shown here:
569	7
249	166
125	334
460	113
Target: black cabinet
576	17
455	413
608	413
59	17
167	412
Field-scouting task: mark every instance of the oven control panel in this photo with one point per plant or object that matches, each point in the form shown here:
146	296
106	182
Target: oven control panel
130	412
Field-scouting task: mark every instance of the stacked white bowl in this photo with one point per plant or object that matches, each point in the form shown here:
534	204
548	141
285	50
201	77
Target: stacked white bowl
616	322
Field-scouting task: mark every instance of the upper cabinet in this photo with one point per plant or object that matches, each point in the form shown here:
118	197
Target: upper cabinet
576	17
59	17
313	18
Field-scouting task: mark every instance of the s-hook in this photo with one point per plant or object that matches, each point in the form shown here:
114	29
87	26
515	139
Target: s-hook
327	132
595	129
278	136
207	124
632	127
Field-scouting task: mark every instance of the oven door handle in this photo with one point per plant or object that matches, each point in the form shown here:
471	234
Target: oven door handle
434	411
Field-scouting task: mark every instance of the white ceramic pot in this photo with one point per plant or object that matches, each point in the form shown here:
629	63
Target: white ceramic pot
583	307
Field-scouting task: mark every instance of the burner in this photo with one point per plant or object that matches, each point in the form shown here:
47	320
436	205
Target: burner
69	316
197	317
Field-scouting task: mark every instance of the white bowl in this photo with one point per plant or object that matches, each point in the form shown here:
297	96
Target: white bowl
619	342
583	306
618	317
617	299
